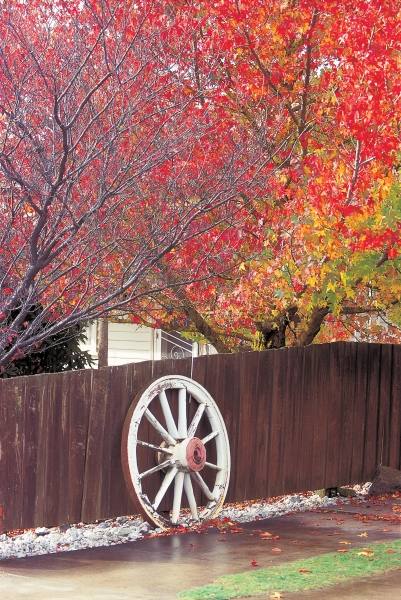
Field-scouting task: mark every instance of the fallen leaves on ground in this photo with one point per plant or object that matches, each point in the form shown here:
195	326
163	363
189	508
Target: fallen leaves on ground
276	596
276	550
368	552
254	563
266	535
304	571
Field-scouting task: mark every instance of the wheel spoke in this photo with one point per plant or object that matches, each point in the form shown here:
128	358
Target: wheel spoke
195	421
182	413
165	435
212	466
211	436
159	467
178	483
153	447
189	492
200	481
168	478
171	426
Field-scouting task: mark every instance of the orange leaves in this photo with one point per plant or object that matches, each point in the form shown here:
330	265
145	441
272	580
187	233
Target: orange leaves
366	552
266	535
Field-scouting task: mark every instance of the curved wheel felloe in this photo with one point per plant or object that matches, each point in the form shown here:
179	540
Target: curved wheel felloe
176	430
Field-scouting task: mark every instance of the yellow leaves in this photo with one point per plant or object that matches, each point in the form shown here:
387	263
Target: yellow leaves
367	552
242	267
341	170
331	286
333	98
275	596
350	293
364	534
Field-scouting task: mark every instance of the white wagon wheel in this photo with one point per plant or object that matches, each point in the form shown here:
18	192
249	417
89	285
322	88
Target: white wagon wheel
179	456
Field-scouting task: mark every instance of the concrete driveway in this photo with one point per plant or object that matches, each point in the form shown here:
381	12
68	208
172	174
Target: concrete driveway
159	568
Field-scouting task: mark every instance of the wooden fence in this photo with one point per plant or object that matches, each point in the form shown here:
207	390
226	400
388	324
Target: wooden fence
297	419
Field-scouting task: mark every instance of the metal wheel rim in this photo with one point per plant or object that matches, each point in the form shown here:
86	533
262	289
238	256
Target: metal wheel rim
184	454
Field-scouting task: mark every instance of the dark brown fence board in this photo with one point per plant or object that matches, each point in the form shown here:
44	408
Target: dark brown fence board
359	377
275	428
12	472
248	366
318	384
78	395
331	386
394	437
347	383
385	352
297	419
261	475
371	454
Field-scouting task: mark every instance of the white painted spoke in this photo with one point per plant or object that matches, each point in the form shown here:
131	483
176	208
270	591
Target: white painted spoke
189	492
195	421
171	426
153	447
178	483
182	413
159	467
200	481
165	435
168	478
212	466
209	437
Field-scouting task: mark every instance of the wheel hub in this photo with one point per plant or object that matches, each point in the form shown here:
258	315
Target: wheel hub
196	454
190	455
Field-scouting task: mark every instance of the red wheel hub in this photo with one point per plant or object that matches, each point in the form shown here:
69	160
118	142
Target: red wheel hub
196	454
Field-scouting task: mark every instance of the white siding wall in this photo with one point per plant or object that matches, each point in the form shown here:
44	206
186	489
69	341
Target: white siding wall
134	343
129	343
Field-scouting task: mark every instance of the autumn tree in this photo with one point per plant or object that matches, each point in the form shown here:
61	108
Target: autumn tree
317	254
112	157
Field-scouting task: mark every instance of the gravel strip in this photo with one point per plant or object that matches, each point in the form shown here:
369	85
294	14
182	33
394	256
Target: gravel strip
43	540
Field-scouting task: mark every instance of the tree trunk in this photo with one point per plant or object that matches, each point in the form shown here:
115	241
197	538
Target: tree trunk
102	342
313	327
274	333
201	324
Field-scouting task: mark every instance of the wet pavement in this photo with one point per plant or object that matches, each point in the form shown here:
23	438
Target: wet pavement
158	568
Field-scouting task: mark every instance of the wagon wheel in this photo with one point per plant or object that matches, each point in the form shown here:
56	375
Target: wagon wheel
179	456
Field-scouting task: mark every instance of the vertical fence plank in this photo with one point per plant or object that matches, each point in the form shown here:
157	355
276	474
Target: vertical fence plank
394	437
359	375
372	446
385	352
262	478
11	463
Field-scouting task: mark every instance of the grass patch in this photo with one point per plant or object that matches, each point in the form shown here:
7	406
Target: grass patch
308	574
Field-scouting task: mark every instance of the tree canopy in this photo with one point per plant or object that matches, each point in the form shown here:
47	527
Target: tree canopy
229	168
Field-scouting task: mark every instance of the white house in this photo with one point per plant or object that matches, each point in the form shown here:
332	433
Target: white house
134	343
